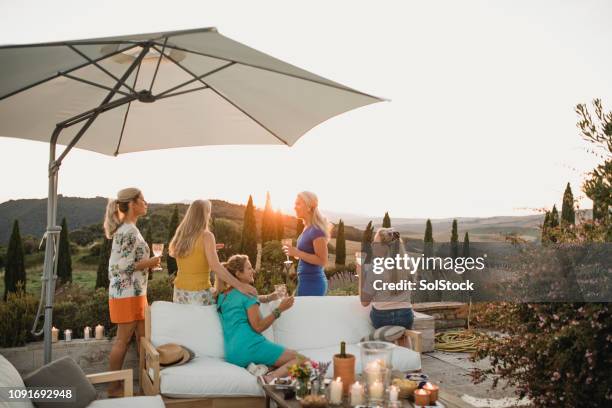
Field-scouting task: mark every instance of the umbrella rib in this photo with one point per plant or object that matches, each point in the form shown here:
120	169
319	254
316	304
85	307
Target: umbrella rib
340	87
197	78
127	111
95	63
161	55
181	92
226	98
91	83
42	81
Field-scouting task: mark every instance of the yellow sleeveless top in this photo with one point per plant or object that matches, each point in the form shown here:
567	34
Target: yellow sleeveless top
193	270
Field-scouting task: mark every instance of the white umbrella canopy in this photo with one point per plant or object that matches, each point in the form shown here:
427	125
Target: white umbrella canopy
154	91
206	89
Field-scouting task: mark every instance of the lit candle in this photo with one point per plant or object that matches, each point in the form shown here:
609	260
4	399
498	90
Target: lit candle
54	334
421	397
68	335
99	332
393	393
335	391
373	371
87	333
376	390
433	391
356	394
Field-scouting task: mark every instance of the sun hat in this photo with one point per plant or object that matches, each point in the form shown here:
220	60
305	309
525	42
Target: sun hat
174	354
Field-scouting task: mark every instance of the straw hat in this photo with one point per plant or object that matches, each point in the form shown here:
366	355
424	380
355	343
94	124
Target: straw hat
173	354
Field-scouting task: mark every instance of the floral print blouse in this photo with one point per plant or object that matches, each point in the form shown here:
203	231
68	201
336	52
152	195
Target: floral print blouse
129	248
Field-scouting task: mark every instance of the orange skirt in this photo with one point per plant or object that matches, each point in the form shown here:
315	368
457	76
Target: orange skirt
126	310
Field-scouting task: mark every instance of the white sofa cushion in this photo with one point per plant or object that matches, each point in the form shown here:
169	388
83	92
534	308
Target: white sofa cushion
193	326
208	377
403	359
154	401
9	377
322	321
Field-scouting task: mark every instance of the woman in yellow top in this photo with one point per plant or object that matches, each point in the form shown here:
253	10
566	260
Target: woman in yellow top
194	248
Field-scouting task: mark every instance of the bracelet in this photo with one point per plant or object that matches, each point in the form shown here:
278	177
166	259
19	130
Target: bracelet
276	312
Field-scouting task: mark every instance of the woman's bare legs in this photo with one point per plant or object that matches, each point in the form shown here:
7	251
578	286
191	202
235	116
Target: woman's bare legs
287	359
125	331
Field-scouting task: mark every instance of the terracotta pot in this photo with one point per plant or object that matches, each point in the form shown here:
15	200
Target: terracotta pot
344	367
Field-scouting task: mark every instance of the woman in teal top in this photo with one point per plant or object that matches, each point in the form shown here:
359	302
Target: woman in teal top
243	324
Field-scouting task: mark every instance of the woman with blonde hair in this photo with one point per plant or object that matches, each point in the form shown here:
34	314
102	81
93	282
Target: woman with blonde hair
128	268
194	248
390	307
311	247
243	324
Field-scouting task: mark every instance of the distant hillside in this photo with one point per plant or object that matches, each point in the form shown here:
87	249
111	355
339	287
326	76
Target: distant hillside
84	212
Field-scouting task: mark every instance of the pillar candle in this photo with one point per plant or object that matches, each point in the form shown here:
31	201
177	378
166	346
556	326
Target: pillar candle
54	334
356	394
335	391
421	397
433	390
68	335
99	332
87	333
393	393
376	390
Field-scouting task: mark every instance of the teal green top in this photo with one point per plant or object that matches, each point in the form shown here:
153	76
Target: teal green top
243	345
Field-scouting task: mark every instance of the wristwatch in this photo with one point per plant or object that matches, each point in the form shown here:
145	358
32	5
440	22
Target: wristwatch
276	312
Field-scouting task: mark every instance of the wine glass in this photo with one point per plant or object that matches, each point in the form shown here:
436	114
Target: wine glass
359	260
287	243
281	290
158	250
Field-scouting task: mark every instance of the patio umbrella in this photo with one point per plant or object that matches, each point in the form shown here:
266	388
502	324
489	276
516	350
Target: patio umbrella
154	91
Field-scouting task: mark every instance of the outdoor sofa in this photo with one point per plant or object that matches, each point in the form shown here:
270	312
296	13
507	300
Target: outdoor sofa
314	326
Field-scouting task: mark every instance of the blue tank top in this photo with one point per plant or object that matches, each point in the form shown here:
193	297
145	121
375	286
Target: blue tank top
305	243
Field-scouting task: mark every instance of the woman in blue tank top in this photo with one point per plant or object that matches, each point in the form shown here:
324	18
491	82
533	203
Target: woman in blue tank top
311	247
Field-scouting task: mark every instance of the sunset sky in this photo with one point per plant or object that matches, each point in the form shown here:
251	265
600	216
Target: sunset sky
481	120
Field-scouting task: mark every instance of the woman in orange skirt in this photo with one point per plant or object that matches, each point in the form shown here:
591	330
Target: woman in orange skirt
128	268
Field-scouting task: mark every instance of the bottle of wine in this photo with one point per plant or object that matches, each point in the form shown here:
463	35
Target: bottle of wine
342	349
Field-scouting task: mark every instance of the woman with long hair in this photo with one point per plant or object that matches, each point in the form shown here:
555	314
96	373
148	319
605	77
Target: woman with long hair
311	249
194	248
243	324
390	307
128	268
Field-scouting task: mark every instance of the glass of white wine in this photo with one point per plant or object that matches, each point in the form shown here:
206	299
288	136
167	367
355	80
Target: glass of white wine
287	243
158	250
281	290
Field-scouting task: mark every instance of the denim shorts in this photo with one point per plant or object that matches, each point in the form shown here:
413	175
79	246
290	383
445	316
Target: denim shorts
392	317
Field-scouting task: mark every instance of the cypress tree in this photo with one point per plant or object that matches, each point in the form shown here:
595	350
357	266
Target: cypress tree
554	217
149	239
545	225
454	241
248	242
366	241
14	268
466	245
428	240
172	226
386	221
102	272
568	215
268	224
299	227
64	261
280	225
340	244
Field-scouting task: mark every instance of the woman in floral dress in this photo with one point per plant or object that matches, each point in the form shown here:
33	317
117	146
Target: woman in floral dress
128	268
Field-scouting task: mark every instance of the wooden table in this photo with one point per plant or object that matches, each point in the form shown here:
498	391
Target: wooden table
272	394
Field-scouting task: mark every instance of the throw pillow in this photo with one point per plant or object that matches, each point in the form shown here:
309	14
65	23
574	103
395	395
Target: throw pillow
63	372
386	333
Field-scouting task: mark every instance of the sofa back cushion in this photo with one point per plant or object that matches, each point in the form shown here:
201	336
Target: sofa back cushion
196	327
322	321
